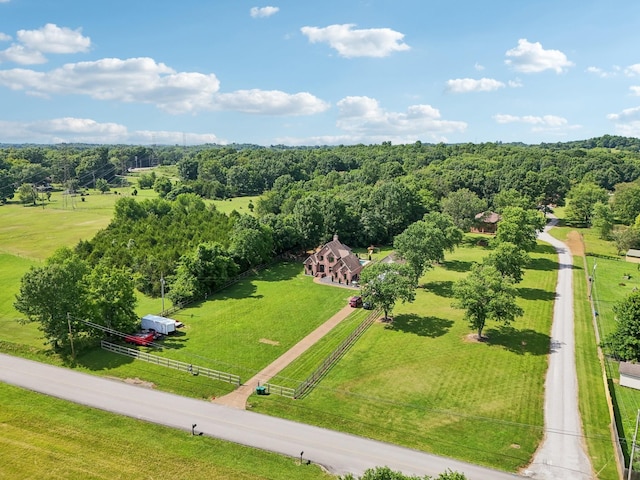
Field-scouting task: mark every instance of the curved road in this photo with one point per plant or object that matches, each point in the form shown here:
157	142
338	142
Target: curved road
561	455
339	453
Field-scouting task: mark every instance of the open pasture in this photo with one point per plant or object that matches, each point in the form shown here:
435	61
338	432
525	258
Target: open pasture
424	382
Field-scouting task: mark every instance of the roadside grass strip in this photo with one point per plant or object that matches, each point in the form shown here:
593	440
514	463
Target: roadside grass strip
43	437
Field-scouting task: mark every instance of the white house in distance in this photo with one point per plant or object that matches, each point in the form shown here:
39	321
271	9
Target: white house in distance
630	375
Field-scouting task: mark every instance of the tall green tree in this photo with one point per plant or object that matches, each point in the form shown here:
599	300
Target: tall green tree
111	298
384	284
424	242
626	202
509	260
53	293
520	227
581	200
462	206
624	342
486	295
602	220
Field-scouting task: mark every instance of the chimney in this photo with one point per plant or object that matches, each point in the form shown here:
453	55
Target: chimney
335	237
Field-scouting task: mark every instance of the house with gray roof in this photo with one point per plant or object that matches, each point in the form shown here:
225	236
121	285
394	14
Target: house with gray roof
335	260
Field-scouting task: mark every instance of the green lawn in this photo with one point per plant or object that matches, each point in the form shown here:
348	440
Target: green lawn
240	330
424	384
43	437
239	204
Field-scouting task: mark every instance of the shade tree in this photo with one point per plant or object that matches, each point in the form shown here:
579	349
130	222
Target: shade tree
384	284
485	294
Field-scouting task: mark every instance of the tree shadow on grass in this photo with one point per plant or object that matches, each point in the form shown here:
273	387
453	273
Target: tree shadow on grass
99	359
422	326
518	341
242	289
546	249
442	289
543	264
284	270
535	294
457	265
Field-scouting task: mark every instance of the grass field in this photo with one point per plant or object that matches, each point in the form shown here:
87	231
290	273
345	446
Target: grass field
43	437
239	330
423	383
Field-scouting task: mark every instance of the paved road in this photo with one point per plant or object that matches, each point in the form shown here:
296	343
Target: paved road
338	452
562	454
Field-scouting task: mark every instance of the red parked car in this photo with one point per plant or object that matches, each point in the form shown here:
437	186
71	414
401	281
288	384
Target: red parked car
355	302
142	338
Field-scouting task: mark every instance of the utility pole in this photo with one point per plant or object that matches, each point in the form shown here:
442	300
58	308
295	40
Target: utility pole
162	290
633	447
73	353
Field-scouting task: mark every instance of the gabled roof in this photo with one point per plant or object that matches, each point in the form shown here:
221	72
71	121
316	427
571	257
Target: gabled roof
630	369
488	217
352	263
337	248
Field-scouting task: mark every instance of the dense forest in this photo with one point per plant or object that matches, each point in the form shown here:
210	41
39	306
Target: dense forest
368	194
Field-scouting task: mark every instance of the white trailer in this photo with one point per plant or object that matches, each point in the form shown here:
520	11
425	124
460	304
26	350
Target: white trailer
159	324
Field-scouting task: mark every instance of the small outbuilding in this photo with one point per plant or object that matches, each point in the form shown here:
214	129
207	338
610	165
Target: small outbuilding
630	375
159	324
486	222
632	256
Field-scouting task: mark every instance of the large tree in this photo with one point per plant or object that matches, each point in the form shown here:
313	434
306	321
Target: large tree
111	298
626	202
54	293
581	200
520	227
425	241
624	342
509	260
486	295
462	206
383	284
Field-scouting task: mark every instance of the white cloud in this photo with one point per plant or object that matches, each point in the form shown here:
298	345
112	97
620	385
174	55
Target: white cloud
53	39
627	122
465	85
517	83
4	37
635	90
84	130
33	44
350	42
625	115
271	102
134	80
604	73
363	116
530	57
632	70
142	80
478	67
261	12
545	120
22	55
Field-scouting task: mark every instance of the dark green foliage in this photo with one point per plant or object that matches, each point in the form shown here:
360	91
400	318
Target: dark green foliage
519	227
383	284
581	200
486	295
624	342
509	260
151	236
462	206
626	202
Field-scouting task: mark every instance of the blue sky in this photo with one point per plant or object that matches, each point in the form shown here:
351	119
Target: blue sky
318	72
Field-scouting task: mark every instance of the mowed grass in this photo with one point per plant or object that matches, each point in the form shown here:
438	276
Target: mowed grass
422	382
594	410
239	204
239	330
609	288
43	437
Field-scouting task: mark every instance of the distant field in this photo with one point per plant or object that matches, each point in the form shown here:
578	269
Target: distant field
424	384
239	204
43	437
